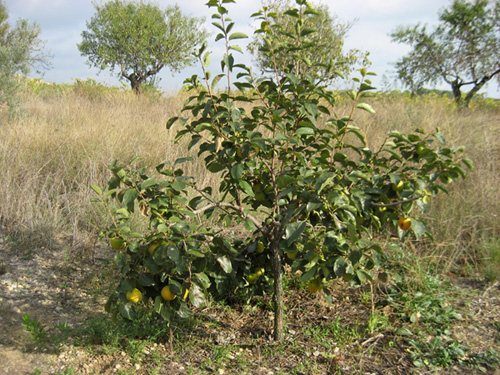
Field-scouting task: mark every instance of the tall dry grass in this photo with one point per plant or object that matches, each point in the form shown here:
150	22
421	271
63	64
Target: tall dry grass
63	142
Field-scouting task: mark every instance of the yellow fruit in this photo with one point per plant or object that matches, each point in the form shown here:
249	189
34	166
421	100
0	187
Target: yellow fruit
152	248
399	186
292	254
404	223
252	278
260	272
420	149
134	295
186	294
166	294
260	247
314	286
117	243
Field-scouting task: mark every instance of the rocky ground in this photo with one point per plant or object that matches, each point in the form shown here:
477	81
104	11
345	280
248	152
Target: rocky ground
57	286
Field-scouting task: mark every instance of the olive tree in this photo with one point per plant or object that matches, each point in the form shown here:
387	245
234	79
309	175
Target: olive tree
21	50
319	42
139	39
298	189
463	50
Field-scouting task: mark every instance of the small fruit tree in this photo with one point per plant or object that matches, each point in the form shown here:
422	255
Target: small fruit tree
296	178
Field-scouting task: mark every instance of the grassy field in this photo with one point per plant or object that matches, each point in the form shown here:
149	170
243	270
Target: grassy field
63	139
65	136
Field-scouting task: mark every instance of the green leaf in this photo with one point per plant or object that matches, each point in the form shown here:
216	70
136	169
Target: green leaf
203	279
179	184
246	187
294	230
171	122
237	171
216	80
97	189
418	228
129	199
149	182
366	107
309	274
249	225
305	131
196	295
225	263
355	256
127	311
238	35
145	280
469	163
340	267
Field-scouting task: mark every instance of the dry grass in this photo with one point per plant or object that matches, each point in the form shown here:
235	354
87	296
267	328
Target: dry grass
63	142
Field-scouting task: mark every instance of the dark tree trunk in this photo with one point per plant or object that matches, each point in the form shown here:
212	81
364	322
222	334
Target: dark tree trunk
279	307
457	94
135	82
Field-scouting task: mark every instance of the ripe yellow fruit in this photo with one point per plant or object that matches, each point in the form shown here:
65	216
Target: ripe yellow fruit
134	295
166	294
186	294
117	243
420	149
152	248
399	186
252	278
292	254
404	223
314	286
260	247
260	272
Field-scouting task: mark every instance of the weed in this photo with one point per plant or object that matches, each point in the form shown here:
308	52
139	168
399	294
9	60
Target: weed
40	336
490	262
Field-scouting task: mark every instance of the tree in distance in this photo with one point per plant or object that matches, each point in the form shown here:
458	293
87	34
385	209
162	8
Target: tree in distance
321	41
139	39
20	50
463	51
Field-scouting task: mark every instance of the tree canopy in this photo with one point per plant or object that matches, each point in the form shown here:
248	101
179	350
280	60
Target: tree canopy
139	39
463	50
21	49
320	34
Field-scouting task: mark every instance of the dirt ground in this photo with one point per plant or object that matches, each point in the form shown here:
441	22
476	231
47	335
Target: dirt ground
53	286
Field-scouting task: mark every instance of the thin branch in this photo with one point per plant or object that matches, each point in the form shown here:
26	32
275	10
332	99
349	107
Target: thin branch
232	206
397	203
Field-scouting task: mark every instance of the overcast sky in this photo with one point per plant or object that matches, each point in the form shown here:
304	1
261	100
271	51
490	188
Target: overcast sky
62	22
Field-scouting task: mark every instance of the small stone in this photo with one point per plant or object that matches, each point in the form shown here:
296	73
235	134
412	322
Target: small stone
137	366
220	371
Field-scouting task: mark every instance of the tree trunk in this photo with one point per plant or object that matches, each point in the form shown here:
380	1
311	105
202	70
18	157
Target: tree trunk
136	86
279	334
135	82
457	93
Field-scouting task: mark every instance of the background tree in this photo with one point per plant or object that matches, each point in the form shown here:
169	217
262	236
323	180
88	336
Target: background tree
140	39
321	41
463	51
20	51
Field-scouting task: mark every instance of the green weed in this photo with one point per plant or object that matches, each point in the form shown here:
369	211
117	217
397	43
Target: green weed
42	339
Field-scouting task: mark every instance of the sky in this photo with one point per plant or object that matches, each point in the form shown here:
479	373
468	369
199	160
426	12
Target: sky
62	22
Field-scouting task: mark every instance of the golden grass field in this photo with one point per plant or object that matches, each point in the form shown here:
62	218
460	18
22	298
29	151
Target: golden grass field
63	139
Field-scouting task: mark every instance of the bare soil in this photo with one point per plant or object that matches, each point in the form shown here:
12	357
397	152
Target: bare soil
55	286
